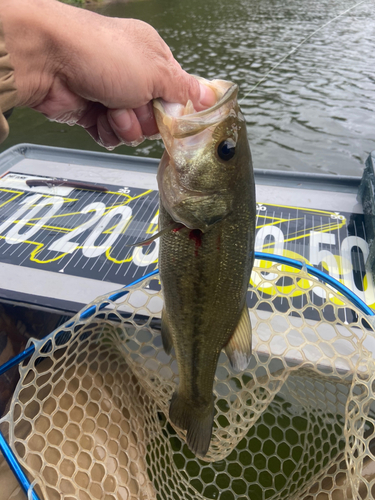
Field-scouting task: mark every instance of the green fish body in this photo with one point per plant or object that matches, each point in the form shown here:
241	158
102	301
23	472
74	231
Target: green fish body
207	199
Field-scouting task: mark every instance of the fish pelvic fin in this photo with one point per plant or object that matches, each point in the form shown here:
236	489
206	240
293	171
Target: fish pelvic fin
197	423
238	348
166	335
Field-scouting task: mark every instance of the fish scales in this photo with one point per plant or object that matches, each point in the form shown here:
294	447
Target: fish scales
212	283
207	224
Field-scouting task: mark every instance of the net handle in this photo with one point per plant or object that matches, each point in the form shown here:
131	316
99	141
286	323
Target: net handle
16	468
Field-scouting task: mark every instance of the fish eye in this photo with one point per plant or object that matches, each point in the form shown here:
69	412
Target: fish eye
226	149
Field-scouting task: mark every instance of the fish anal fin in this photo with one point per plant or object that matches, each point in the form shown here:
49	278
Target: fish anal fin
197	423
238	348
180	411
166	335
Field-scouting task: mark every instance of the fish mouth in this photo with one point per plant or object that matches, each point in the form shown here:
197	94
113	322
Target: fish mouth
188	140
182	121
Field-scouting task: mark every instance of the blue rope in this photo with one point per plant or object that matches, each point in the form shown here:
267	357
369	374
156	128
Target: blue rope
326	278
115	296
84	315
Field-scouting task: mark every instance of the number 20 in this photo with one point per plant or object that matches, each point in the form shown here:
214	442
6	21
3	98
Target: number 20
66	245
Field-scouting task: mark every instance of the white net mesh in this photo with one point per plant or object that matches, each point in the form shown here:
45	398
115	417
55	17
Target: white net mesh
89	417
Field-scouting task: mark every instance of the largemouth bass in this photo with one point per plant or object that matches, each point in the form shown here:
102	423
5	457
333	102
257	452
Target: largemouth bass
207	223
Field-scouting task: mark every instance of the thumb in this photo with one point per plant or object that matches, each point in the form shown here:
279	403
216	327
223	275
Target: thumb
184	87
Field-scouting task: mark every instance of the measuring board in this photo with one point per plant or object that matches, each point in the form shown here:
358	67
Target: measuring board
61	247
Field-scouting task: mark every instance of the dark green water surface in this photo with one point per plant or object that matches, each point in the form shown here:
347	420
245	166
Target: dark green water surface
315	113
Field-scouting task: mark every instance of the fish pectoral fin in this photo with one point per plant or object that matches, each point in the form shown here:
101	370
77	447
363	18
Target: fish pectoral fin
166	335
144	243
238	348
174	226
197	422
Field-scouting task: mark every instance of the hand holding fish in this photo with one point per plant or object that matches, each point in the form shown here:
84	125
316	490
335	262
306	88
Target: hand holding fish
102	73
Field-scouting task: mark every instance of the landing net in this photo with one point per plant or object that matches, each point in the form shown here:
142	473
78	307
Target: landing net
89	417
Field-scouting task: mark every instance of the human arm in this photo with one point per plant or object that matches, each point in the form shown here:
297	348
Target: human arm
76	66
7	87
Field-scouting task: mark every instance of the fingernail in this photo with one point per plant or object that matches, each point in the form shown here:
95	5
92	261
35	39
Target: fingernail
134	143
207	96
144	113
122	119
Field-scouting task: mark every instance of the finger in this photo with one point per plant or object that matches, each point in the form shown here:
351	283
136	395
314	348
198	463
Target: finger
125	125
207	98
62	105
107	137
146	119
93	131
90	117
179	86
95	122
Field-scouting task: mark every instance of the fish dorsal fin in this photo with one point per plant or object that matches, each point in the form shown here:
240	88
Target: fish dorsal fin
238	348
166	335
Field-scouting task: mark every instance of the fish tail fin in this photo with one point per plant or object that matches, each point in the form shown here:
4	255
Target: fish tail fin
199	433
198	424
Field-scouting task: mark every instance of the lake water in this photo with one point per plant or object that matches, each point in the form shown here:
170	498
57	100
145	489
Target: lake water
314	113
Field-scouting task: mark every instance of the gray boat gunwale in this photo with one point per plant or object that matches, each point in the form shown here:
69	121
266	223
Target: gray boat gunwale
300	180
